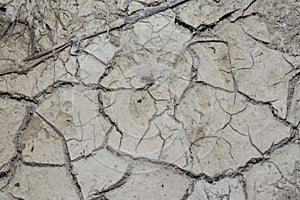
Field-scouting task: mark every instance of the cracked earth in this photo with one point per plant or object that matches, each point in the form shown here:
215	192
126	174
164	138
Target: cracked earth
149	99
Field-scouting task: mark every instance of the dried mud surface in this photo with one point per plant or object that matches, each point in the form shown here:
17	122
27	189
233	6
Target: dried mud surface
149	99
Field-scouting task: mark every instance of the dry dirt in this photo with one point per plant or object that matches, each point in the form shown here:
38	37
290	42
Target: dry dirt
149	99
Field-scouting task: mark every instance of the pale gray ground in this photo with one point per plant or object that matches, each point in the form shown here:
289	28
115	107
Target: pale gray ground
145	99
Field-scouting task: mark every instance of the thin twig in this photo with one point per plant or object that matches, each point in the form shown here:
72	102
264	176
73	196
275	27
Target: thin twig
111	26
